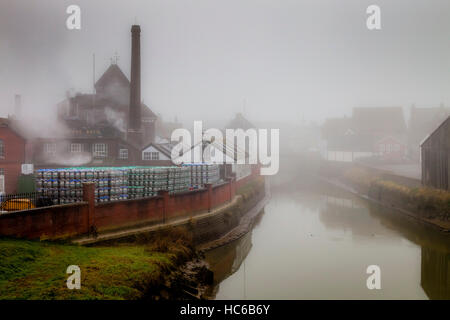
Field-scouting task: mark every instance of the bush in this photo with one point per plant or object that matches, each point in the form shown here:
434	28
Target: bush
427	201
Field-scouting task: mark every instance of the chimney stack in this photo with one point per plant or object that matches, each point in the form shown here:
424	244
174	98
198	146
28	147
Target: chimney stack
134	116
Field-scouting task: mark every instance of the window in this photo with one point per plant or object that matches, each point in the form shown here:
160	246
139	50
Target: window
123	153
50	148
2	149
382	147
151	155
73	109
2	180
388	148
99	150
76	147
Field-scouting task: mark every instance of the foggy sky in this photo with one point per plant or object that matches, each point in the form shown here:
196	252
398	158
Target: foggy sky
201	58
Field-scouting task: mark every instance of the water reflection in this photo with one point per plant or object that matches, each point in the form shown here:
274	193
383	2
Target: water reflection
226	260
315	241
347	211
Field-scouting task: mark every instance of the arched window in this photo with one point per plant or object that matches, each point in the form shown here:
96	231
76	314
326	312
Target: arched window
2	149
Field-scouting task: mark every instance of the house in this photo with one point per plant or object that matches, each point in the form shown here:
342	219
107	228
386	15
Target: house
87	146
370	133
422	122
157	154
435	157
12	156
343	143
108	127
240	122
108	107
387	127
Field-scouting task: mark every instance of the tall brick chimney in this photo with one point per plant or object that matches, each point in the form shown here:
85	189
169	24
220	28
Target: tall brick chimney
134	116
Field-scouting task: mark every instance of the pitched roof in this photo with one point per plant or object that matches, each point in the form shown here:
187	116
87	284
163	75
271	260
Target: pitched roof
113	73
336	126
428	138
12	125
239	122
385	120
351	142
424	121
147	112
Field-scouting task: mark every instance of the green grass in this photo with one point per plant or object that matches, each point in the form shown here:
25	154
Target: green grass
37	270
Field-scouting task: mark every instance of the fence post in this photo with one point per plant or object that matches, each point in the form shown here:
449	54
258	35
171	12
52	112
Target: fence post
165	195
209	189
89	197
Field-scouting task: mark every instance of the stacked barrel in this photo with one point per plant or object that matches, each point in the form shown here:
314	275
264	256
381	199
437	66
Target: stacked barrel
66	185
120	183
202	174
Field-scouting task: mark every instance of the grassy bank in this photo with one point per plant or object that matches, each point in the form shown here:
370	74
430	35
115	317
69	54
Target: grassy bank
426	202
252	188
137	269
37	270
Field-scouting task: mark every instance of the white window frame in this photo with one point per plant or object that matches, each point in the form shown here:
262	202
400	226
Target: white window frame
123	153
147	155
151	155
2	181
100	150
2	149
50	148
76	147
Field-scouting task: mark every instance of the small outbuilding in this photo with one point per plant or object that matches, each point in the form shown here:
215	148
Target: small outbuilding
435	157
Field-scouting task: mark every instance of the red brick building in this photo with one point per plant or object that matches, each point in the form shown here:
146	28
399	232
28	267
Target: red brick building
12	156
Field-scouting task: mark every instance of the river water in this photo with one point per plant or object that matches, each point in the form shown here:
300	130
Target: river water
315	241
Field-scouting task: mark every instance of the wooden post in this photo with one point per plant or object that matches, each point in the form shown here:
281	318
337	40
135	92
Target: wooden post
89	197
165	195
209	190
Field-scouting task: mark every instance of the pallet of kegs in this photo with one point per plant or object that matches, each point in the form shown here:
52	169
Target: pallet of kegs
113	183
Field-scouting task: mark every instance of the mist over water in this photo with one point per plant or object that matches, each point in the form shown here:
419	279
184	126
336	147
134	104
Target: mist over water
315	242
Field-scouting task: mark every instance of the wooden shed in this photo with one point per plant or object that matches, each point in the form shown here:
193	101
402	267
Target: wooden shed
435	157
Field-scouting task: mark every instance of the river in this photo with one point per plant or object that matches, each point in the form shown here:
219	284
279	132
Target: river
315	241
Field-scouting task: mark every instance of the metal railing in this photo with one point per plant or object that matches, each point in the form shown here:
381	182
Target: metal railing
26	201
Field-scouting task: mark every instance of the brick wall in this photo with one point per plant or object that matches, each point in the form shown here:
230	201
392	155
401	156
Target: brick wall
75	219
129	212
14	156
51	222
